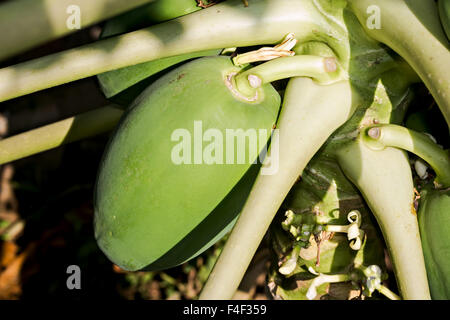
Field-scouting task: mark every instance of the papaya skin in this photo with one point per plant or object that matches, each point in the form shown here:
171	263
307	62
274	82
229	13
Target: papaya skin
156	11
144	202
434	222
444	14
116	81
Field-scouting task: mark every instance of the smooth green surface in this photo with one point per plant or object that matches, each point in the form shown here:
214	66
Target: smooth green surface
154	12
144	203
434	222
116	81
28	23
391	135
217	224
444	14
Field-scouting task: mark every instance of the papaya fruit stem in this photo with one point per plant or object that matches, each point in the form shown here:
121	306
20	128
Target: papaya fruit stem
381	136
316	67
72	129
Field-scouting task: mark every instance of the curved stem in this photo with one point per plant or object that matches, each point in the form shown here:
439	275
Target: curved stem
310	114
388	293
59	133
28	23
227	24
413	30
385	180
325	278
316	67
389	135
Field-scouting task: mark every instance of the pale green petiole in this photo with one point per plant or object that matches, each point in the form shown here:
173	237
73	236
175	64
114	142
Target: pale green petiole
388	293
227	24
385	181
380	136
316	67
28	23
310	114
322	279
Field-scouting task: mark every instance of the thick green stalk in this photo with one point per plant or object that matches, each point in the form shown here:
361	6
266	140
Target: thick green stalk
59	133
310	114
385	180
381	136
413	30
28	23
227	24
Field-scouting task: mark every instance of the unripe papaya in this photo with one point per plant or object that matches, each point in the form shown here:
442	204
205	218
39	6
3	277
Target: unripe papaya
156	11
123	85
444	14
146	200
434	222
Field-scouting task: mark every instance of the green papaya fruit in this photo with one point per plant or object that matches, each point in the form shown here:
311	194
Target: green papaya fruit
444	14
151	191
434	223
125	84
